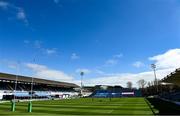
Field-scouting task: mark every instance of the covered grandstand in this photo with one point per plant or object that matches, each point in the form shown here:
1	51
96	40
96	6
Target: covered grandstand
173	78
166	86
165	96
172	82
42	88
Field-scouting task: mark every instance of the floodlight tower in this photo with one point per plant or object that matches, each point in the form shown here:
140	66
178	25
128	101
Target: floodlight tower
153	66
82	74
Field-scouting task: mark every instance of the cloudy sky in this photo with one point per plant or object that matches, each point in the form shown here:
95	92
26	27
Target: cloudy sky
112	41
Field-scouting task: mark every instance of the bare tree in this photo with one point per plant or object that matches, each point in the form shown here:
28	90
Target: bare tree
129	84
141	83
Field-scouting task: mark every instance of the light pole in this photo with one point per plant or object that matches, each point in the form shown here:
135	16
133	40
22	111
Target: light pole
153	66
82	74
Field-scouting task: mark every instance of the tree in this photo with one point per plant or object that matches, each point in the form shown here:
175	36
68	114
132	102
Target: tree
141	83
149	84
129	84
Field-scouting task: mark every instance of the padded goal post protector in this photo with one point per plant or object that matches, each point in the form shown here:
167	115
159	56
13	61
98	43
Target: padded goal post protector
30	106
13	106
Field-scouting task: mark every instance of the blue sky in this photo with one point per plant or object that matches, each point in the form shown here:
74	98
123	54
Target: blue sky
104	38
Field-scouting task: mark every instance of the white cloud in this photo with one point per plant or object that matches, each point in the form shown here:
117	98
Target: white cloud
74	56
122	79
18	11
100	72
22	16
36	67
56	1
138	64
169	59
12	66
114	60
111	62
166	63
4	5
51	51
118	56
44	72
26	41
86	71
38	44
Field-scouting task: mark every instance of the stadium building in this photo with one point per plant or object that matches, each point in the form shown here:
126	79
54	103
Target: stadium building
170	87
42	89
113	91
167	89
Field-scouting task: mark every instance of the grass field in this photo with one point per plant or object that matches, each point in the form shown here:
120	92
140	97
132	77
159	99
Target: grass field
85	106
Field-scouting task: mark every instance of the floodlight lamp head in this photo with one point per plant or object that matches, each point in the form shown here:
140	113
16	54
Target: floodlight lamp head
82	73
153	66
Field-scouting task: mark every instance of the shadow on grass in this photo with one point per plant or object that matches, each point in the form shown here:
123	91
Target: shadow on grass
164	107
22	110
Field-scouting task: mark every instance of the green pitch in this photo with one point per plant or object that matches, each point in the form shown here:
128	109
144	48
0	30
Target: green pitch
84	106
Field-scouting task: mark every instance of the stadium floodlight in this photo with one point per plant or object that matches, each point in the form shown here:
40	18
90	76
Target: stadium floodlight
153	66
82	74
13	105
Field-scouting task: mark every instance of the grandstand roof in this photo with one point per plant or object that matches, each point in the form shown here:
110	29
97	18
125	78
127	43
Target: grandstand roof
26	79
174	77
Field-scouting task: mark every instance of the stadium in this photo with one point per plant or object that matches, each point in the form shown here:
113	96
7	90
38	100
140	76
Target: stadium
89	57
41	88
53	97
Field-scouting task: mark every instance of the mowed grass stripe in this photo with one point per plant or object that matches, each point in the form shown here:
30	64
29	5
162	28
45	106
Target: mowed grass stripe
120	106
92	107
131	105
